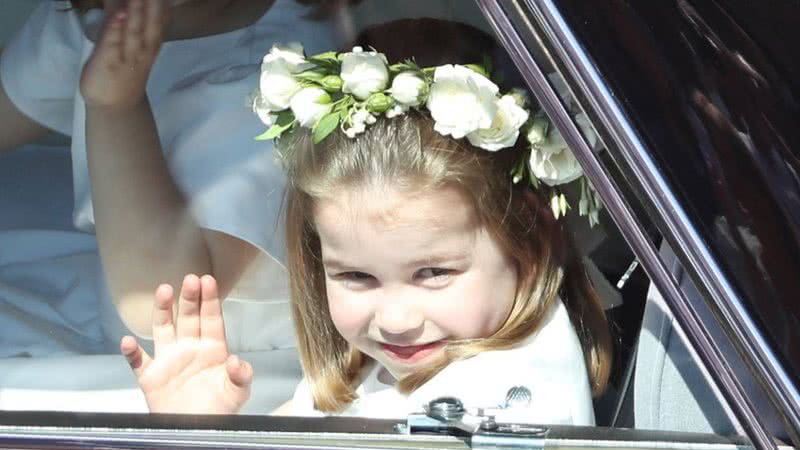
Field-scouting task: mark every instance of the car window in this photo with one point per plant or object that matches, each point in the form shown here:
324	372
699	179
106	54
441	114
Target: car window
60	361
593	72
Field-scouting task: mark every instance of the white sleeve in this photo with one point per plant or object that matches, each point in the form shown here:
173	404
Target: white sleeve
40	67
233	183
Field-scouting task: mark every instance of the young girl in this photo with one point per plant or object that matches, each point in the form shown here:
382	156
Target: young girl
154	95
418	267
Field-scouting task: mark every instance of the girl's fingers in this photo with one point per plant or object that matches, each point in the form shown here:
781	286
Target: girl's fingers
138	359
240	373
154	21
163	323
189	308
134	29
111	39
212	325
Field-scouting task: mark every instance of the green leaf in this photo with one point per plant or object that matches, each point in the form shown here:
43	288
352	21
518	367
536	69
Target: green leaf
314	75
329	56
325	64
487	64
400	67
283	122
326	125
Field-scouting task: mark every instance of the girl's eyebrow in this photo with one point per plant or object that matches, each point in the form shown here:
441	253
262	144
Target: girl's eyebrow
435	260
337	265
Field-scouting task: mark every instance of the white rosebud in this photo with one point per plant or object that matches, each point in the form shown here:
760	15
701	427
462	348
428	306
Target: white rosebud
594	218
360	117
461	101
364	73
537	133
355	130
407	88
309	105
504	130
583	204
555	206
520	97
396	110
277	84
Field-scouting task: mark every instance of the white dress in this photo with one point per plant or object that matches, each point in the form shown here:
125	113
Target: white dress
53	300
550	364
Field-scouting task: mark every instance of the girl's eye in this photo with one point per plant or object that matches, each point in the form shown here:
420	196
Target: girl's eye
436	273
356	275
353	276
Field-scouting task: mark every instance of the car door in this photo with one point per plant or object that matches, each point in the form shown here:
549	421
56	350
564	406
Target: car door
733	303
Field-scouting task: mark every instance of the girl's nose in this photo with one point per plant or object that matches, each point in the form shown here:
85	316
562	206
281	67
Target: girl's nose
398	318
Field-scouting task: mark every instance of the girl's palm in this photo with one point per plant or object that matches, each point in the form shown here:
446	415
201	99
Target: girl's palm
192	371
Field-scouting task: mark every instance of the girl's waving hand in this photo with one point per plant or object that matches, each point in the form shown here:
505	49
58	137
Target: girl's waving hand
192	371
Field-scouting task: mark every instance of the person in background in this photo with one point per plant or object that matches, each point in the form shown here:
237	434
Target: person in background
155	96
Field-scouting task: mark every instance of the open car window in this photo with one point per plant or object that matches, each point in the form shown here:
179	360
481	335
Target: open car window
63	383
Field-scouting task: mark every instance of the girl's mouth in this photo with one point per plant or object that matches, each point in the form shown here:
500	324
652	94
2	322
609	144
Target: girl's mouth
410	353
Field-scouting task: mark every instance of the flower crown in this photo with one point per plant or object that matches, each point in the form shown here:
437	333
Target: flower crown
351	90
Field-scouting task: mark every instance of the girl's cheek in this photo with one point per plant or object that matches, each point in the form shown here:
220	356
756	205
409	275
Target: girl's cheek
348	314
479	315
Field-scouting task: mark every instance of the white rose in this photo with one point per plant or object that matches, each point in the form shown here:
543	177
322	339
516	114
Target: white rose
309	105
504	130
291	54
277	84
407	88
552	161
364	73
263	112
461	101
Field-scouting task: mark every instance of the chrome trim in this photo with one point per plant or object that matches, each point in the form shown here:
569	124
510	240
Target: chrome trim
158	439
565	47
55	438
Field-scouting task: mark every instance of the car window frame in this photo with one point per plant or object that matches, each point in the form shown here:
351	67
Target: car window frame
528	26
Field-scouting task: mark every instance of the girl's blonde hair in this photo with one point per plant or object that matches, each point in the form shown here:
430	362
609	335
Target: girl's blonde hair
406	153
